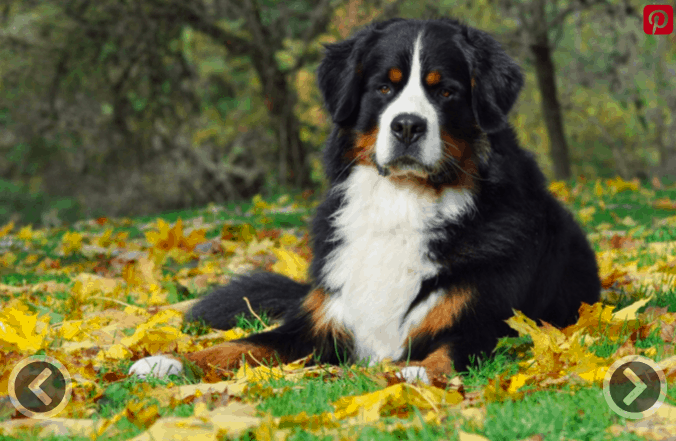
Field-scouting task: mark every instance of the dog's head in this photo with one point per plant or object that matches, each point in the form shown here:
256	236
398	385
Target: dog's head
418	94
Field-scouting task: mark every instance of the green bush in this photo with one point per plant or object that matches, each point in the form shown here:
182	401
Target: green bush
18	203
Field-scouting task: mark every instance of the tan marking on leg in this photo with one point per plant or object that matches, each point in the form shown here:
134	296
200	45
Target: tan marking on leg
229	355
321	327
313	304
444	313
436	363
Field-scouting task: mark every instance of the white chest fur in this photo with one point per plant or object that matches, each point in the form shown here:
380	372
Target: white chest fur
377	270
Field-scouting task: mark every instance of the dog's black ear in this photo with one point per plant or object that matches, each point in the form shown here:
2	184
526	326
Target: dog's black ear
340	72
496	79
339	76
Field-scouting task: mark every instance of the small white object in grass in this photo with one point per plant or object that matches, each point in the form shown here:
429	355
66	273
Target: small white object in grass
411	374
159	366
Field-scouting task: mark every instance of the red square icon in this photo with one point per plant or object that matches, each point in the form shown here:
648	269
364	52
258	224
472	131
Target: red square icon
658	19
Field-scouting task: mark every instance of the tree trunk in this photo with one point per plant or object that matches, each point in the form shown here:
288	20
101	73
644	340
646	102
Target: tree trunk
280	100
261	48
544	68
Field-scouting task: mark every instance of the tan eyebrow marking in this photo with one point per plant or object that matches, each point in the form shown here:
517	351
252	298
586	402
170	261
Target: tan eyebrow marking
433	78
395	75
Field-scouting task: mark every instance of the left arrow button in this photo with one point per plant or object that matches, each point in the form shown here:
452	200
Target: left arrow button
34	386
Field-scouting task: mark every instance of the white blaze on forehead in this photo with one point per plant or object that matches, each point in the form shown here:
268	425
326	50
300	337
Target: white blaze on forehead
414	100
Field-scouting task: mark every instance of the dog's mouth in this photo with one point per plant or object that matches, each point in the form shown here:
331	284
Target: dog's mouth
402	166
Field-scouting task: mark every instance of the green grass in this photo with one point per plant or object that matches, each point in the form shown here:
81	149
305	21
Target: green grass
487	368
553	414
313	396
250	323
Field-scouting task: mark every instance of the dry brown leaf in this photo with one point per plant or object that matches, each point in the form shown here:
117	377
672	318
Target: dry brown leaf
657	184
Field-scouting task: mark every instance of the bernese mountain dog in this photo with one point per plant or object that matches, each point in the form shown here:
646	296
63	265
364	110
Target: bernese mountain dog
436	227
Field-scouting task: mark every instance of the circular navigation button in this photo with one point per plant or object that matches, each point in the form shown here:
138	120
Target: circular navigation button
634	387
39	386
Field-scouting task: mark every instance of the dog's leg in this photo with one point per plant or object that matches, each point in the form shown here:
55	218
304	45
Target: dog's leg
279	345
436	364
231	354
304	333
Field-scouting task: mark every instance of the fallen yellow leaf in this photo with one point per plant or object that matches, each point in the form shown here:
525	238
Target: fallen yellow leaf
629	313
290	264
21	330
369	406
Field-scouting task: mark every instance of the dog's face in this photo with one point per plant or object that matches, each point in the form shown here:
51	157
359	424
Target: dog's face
417	95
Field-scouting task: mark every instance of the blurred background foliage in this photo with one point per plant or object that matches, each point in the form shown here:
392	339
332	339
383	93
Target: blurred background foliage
129	107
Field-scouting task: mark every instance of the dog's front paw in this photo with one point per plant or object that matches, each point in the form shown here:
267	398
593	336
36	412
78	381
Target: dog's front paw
411	374
159	366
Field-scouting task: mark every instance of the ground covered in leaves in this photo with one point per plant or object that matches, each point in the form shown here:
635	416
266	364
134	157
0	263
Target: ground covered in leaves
102	293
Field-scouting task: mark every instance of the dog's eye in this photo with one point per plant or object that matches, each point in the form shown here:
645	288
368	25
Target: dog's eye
385	90
446	93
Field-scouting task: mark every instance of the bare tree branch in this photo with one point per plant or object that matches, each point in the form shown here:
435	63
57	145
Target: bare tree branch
319	18
235	44
558	19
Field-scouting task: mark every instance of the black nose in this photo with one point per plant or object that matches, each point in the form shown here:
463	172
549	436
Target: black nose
408	128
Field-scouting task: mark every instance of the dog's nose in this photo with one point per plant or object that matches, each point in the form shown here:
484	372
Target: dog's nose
408	128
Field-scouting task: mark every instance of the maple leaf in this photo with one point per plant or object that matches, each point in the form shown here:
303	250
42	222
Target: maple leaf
247	232
664	204
629	313
71	242
141	414
591	317
167	238
106	239
560	190
4	230
618	185
160	333
368	407
556	353
87	285
259	205
26	233
609	273
587	214
144	277
162	238
8	259
290	264
20	330
288	240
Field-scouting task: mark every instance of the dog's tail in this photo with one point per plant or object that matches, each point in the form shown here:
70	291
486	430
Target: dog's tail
269	292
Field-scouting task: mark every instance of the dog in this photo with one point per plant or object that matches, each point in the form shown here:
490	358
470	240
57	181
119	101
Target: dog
436	227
